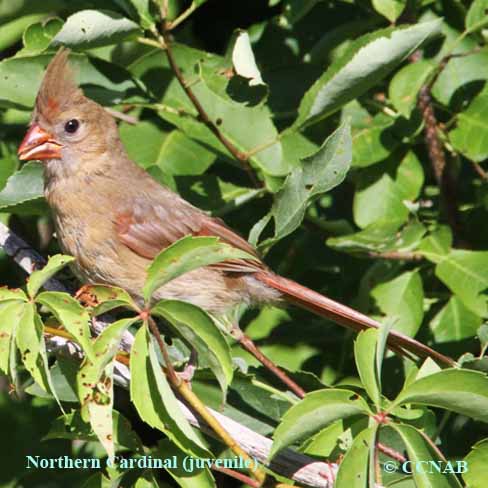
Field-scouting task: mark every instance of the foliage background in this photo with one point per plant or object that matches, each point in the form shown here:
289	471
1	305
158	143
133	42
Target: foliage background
387	241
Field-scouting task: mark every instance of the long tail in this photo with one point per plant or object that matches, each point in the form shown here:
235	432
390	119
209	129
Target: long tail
345	316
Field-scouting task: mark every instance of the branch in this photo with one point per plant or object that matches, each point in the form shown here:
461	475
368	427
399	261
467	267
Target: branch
243	158
299	467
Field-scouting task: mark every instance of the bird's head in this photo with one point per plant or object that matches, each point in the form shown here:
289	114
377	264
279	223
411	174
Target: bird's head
67	128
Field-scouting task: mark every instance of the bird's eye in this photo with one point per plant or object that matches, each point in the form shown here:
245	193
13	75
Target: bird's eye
71	126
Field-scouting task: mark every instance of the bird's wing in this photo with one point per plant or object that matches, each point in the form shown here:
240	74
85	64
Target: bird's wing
147	228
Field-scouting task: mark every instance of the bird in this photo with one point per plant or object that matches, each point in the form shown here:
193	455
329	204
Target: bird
114	218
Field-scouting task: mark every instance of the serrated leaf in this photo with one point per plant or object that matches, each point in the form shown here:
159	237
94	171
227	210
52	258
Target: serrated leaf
366	61
24	191
402	297
466	274
39	277
316	411
94	28
454	322
185	255
71	315
461	391
154	399
365	357
318	174
420	451
196	327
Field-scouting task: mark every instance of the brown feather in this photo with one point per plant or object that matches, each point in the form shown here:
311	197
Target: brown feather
58	89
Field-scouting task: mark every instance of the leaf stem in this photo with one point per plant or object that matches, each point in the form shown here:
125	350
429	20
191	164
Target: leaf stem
182	17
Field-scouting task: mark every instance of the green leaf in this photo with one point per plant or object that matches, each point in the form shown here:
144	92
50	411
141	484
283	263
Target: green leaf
107	83
144	10
185	255
403	298
355	72
405	85
316	411
374	142
71	315
365	356
470	136
420	451
380	237
12	31
37	37
24	191
10	315
458	72
154	399
196	327
462	391
437	244
30	341
383	189
391	9
95	383
197	478
454	322
476	462
250	129
109	298
466	274
318	174
72	427
7	294
39	277
354	468
94	28
482	334
476	17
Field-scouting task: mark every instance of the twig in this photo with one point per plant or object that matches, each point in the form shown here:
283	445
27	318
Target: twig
396	255
182	17
248	344
121	116
199	407
289	463
243	158
30	260
481	172
236	475
388	451
437	157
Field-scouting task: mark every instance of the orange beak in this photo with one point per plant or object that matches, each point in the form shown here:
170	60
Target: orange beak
39	144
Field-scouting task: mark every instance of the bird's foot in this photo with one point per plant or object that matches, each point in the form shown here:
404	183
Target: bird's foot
86	298
190	368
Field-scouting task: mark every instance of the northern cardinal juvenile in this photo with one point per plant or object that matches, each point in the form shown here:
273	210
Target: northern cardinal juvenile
114	218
